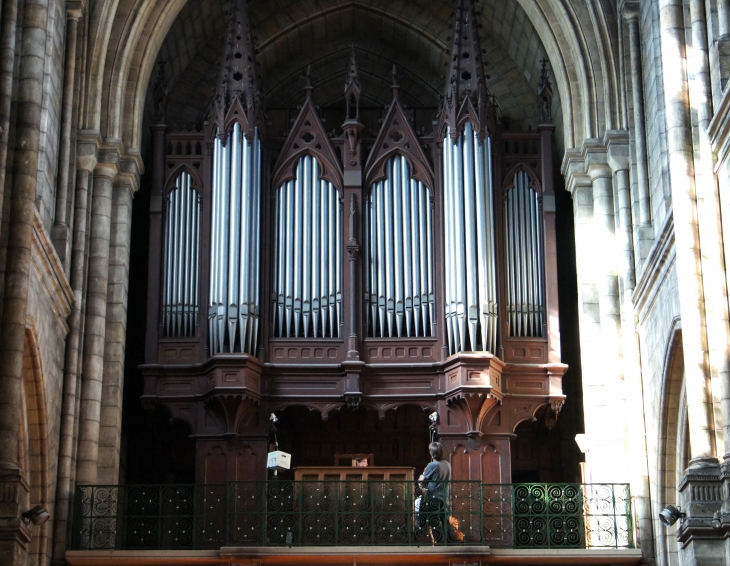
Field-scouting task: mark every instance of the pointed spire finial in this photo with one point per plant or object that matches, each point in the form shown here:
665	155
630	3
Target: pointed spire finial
308	88
237	80
159	93
352	88
466	77
545	92
352	76
394	86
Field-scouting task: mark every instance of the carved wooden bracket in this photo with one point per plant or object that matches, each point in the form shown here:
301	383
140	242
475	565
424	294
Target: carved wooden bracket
324	407
234	409
473	407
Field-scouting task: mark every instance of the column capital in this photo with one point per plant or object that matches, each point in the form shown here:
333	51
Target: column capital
617	145
87	149
630	10
75	9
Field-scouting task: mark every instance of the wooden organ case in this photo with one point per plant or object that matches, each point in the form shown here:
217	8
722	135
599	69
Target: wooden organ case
353	271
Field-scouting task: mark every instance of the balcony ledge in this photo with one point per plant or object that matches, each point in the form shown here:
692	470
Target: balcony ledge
352	555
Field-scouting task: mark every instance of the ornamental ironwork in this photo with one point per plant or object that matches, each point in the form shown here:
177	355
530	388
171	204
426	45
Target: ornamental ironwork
349	513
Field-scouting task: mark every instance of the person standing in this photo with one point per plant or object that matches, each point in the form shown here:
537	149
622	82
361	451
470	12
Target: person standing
433	511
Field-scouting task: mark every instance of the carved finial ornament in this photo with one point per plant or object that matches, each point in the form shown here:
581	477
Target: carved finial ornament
545	92
466	97
237	92
160	93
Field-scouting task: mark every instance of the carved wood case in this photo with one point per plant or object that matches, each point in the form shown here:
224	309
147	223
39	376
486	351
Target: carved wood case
480	397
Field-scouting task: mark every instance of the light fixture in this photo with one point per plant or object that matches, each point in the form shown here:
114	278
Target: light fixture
671	515
38	515
433	417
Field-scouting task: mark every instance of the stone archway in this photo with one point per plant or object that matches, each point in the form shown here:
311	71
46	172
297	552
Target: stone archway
35	446
673	454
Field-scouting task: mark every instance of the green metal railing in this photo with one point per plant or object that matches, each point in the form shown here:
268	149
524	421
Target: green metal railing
346	513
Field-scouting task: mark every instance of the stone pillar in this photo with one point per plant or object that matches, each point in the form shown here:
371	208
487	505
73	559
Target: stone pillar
116	331
60	232
613	443
631	15
594	389
710	230
633	386
688	266
20	237
14	491
95	330
86	162
723	18
14	534
7	62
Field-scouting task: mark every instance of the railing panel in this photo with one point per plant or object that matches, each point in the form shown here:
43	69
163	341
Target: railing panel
346	513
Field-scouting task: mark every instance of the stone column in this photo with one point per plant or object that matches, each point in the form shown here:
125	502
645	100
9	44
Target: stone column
603	244
86	162
594	389
116	331
688	266
7	62
723	18
95	331
20	238
14	491
633	387
60	230
631	15
710	227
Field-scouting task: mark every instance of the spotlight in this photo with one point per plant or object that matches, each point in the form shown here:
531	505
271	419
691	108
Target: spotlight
38	515
671	515
433	417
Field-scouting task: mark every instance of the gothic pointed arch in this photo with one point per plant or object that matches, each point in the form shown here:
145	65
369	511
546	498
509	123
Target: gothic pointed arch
397	137
308	137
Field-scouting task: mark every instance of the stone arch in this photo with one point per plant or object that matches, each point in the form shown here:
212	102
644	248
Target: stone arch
673	449
127	35
34	438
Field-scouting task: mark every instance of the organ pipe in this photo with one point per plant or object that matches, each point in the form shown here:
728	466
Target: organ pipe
399	265
525	293
307	295
233	308
470	301
182	256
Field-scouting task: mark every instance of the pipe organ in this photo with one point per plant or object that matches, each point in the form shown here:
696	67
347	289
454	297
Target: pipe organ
182	259
437	289
307	285
233	306
524	253
470	296
398	265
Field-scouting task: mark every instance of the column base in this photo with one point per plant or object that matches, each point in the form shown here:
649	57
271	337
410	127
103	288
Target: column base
701	534
14	533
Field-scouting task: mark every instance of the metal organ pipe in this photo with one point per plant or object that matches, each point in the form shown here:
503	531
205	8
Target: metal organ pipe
471	291
525	294
308	283
233	308
182	254
399	255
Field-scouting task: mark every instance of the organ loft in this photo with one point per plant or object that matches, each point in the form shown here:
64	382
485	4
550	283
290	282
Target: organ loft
387	265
